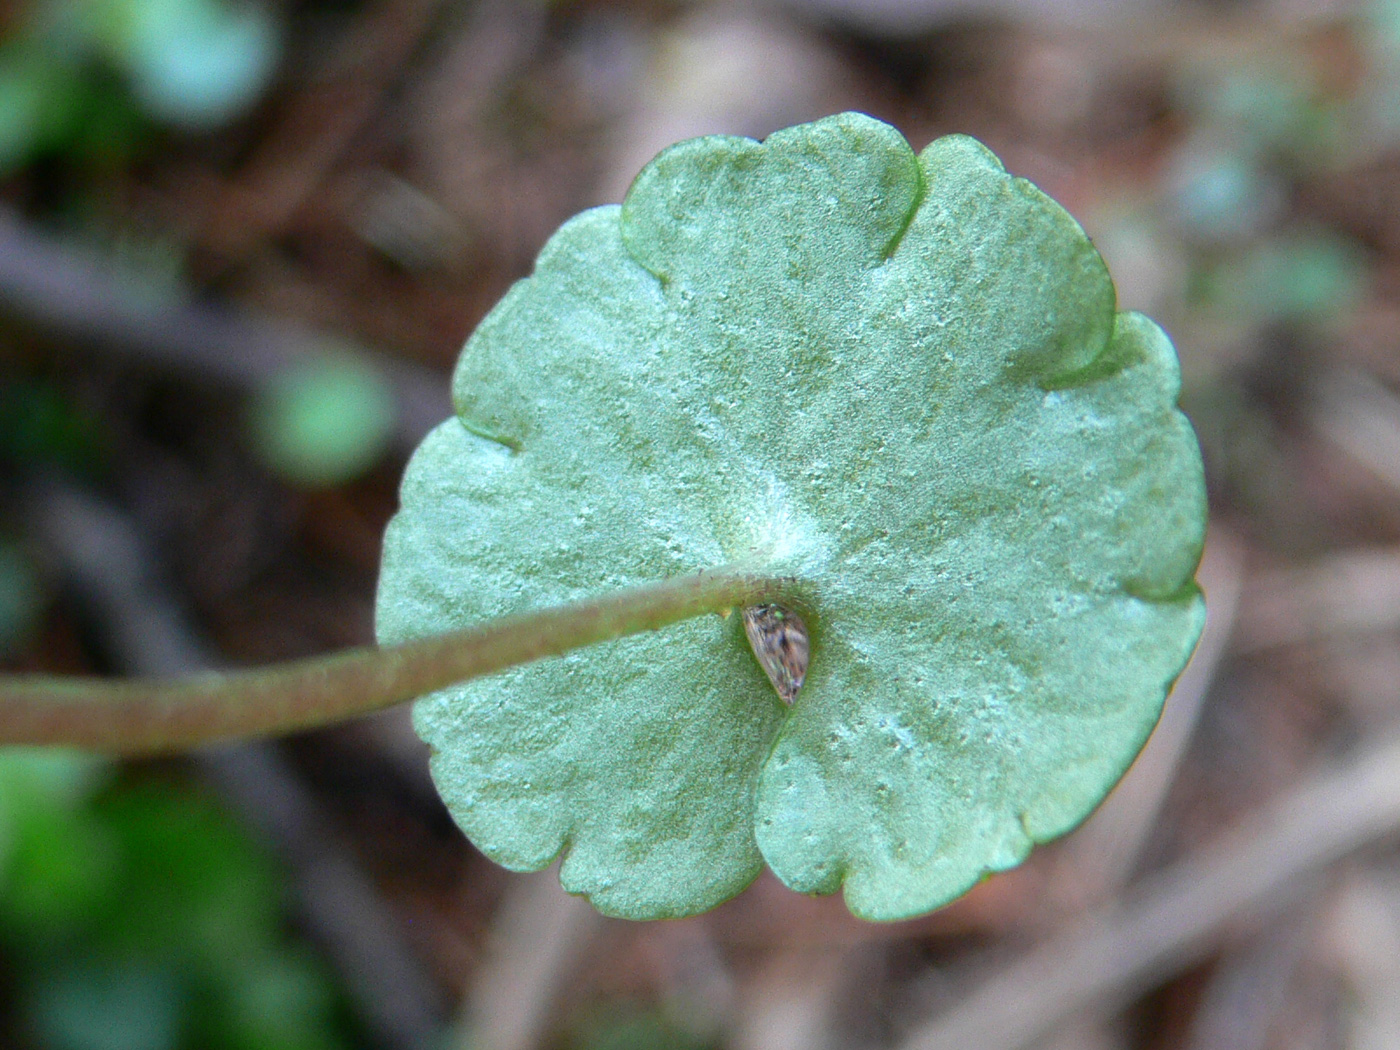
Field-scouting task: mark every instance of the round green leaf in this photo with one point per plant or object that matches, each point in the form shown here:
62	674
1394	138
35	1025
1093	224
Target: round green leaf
898	378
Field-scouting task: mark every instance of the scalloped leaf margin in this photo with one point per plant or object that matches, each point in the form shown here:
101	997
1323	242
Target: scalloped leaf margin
900	379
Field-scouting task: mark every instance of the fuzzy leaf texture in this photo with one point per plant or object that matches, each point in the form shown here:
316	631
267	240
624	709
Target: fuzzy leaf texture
900	379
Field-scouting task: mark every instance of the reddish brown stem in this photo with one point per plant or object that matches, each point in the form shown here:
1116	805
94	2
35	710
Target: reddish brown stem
150	716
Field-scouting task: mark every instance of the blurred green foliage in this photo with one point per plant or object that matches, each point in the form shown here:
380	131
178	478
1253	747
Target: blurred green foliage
641	1029
41	427
21	597
1300	277
135	914
194	64
324	422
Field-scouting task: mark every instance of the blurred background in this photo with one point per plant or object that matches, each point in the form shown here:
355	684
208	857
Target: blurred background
241	242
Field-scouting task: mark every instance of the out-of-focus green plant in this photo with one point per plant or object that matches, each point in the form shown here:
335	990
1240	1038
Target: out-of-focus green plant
42	428
21	597
325	422
138	916
193	64
1302	277
1261	126
634	1030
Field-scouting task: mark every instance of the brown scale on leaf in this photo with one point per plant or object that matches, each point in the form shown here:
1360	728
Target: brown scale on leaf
779	640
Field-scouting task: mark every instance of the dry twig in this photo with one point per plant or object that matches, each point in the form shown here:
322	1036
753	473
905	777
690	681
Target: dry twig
1173	919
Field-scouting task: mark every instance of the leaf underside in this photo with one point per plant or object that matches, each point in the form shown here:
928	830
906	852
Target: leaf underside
899	378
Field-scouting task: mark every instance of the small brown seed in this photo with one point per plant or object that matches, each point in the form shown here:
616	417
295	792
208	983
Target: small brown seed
779	641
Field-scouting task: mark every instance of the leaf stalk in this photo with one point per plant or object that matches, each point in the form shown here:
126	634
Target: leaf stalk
152	716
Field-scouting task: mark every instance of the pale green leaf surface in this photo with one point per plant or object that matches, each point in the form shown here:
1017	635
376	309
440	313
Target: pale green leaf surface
900	379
